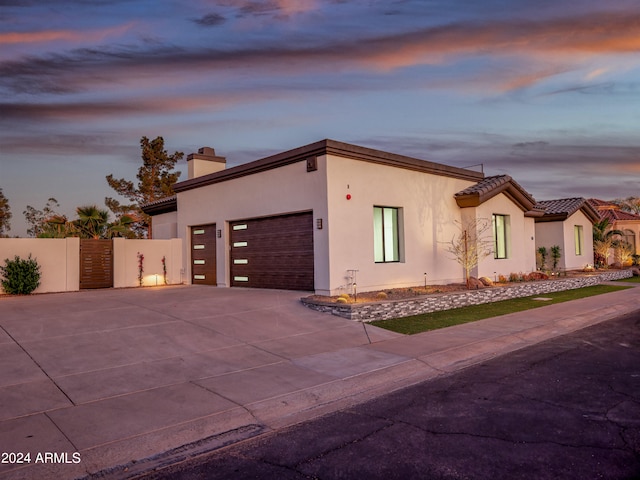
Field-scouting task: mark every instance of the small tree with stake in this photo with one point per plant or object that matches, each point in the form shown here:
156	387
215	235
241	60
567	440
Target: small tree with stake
471	245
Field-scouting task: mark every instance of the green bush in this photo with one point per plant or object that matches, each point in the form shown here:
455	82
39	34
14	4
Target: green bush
20	277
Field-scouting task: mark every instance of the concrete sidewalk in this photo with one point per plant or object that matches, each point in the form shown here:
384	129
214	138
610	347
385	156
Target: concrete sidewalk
137	378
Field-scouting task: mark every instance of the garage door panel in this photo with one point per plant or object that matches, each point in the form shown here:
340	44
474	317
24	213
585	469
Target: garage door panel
273	252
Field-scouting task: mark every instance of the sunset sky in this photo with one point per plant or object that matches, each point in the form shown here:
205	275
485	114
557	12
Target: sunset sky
546	91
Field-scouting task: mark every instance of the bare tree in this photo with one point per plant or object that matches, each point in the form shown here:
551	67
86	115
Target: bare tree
471	244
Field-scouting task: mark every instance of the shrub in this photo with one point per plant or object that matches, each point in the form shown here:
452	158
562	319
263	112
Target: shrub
502	279
20	277
556	254
382	295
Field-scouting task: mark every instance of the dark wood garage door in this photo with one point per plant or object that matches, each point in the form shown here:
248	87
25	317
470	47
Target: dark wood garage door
203	254
273	252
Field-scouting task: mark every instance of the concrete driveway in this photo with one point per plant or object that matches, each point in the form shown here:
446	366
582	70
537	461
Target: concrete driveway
120	375
115	382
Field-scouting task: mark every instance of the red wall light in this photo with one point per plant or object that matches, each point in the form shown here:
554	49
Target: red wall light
348	196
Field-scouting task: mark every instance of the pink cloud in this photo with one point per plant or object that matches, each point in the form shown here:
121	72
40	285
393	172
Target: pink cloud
75	36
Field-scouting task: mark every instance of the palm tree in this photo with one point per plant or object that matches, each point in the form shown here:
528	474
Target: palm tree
92	222
122	227
603	241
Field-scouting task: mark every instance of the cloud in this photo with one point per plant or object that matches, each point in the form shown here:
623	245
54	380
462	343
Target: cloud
75	36
523	44
210	20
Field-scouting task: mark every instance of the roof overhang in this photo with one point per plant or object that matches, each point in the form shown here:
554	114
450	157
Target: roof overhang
505	185
328	147
158	207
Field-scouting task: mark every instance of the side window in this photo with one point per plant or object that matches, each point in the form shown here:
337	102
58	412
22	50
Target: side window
501	226
386	234
578	235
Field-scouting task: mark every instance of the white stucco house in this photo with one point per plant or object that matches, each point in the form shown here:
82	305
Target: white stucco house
568	223
326	215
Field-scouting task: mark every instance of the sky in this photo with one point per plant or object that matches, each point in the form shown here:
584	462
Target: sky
546	91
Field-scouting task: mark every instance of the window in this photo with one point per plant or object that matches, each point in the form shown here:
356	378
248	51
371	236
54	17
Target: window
500	225
578	236
630	238
386	238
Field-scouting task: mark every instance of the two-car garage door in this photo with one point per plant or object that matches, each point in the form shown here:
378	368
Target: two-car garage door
273	252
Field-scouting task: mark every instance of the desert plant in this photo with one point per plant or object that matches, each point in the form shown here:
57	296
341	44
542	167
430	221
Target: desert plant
20	277
381	296
601	249
471	245
140	267
541	256
556	254
624	253
164	269
502	279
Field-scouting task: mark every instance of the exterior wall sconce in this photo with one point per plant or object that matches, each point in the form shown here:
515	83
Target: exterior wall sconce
319	224
219	233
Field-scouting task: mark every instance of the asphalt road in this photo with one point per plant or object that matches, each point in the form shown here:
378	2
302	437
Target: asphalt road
568	408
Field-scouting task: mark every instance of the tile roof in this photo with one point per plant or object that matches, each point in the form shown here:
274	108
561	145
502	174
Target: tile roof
162	205
611	211
489	187
485	185
563	208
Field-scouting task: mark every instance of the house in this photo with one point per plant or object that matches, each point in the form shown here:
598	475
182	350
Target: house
567	223
328	216
626	222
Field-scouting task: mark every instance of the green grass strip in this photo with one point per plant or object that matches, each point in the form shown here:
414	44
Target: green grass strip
447	318
630	280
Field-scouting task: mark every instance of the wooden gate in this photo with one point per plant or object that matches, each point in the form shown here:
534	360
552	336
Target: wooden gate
96	263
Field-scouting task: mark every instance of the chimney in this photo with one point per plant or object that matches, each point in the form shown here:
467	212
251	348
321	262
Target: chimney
204	162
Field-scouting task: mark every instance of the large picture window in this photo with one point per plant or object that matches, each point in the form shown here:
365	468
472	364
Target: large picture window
500	225
578	235
386	238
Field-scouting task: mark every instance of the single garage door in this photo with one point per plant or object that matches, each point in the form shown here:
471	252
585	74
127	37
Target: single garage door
203	254
273	252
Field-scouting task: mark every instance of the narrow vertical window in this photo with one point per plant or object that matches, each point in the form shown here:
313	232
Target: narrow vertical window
500	235
386	239
578	235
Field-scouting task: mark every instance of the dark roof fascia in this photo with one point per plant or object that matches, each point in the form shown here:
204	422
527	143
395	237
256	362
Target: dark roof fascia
328	147
556	217
164	205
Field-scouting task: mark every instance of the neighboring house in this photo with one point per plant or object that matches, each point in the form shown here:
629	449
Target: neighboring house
626	222
568	223
326	215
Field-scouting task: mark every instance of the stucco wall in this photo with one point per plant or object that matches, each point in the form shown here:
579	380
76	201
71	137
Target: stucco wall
284	190
125	262
427	208
59	260
428	211
569	258
165	226
561	233
520	242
